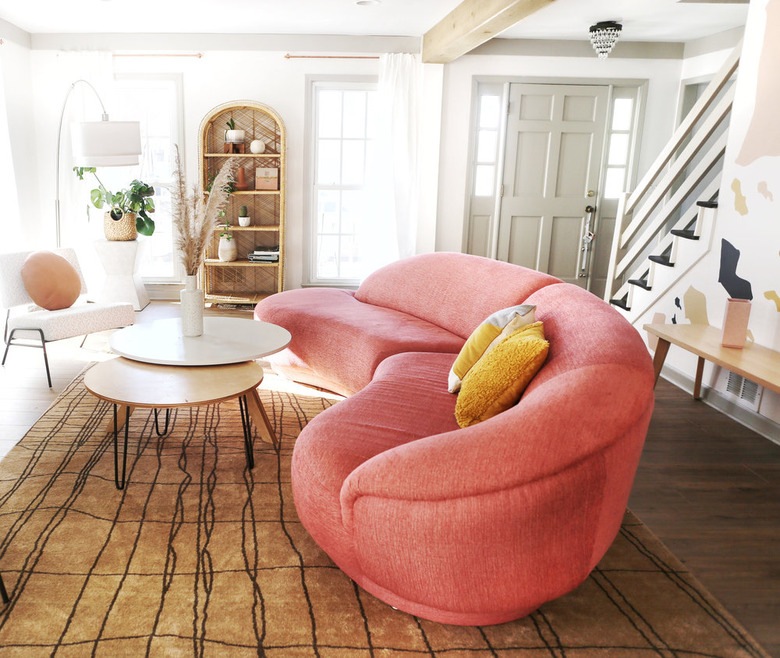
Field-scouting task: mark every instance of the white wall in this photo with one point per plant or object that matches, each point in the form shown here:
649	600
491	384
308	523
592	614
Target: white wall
663	76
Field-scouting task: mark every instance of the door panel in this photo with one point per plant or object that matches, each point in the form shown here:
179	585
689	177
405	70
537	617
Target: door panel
555	137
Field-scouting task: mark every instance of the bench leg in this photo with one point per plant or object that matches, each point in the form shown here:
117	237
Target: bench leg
697	382
660	356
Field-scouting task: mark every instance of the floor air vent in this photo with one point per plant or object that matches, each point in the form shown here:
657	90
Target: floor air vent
744	391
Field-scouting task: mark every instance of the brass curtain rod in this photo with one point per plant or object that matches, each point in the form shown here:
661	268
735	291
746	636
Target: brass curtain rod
289	56
198	55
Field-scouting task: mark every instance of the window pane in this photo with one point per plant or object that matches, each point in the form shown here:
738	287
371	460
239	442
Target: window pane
354	114
328	256
621	113
618	149
489	111
349	263
352	210
328	211
613	185
329	110
483	182
486	146
329	162
353	164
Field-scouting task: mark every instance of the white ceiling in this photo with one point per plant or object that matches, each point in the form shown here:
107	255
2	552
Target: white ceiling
643	20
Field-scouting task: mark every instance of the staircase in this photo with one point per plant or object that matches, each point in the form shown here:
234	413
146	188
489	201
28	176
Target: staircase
665	226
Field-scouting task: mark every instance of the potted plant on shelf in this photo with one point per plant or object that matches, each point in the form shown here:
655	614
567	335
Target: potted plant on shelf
234	137
228	251
127	211
243	217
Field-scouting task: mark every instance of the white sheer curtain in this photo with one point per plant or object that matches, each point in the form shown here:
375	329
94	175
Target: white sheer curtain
10	219
391	229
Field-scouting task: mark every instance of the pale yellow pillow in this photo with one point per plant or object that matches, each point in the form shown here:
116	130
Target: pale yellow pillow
485	337
496	382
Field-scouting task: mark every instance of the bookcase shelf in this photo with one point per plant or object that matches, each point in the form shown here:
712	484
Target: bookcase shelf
243	281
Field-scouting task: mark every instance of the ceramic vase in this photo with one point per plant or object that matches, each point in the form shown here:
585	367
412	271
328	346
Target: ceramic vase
735	323
241	183
227	250
191	307
244	220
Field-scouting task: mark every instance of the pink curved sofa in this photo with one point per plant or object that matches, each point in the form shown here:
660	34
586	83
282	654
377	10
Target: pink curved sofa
462	526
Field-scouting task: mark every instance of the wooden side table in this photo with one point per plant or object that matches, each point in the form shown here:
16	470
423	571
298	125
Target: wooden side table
755	362
130	384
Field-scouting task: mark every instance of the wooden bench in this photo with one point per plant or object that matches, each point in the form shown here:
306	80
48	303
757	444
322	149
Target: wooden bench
755	362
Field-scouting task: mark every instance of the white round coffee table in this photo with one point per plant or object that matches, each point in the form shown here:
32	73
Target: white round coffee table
224	340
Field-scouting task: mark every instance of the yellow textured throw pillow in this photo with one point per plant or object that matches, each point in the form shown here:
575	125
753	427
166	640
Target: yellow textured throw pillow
485	337
498	380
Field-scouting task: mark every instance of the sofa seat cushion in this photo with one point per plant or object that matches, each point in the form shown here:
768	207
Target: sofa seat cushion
408	400
343	340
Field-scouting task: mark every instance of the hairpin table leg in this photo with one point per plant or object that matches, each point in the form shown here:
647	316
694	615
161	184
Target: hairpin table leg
3	593
250	457
120	483
157	422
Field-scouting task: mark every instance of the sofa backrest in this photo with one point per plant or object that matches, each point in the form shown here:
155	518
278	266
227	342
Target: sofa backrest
451	290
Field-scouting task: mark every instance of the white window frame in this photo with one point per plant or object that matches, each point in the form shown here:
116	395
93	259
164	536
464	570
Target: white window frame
364	83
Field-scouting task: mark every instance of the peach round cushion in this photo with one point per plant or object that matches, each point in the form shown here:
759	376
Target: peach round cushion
50	280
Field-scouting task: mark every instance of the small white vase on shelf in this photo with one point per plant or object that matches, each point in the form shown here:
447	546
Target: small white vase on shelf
227	251
191	307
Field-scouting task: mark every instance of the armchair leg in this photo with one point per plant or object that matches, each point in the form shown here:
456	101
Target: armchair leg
42	345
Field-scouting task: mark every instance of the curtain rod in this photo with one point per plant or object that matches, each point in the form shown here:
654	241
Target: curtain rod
198	55
289	56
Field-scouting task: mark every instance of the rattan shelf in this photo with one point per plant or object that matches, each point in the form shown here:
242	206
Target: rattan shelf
243	281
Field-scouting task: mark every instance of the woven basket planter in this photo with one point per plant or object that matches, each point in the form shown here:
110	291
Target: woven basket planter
120	230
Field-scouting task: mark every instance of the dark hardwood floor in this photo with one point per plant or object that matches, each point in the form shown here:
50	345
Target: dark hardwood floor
709	488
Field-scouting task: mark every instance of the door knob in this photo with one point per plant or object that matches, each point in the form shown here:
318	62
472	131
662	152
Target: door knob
590	208
591	193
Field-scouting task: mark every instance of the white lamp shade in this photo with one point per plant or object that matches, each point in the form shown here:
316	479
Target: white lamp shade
106	143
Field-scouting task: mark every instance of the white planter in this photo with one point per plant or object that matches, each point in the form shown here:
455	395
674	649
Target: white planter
191	307
234	136
244	221
227	251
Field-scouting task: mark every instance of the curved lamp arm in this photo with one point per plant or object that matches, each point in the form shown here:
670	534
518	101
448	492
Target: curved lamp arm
59	154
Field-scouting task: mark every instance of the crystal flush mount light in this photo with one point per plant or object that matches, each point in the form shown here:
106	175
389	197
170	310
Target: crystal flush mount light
603	36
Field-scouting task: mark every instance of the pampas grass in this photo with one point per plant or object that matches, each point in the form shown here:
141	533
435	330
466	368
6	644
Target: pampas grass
194	217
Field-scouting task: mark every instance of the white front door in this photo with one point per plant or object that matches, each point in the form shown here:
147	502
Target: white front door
554	144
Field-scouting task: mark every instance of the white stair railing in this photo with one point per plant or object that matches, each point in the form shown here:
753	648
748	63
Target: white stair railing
644	215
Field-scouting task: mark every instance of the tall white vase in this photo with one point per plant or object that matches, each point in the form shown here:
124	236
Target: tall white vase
191	307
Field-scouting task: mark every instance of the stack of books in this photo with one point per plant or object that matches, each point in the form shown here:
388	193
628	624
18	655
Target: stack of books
264	255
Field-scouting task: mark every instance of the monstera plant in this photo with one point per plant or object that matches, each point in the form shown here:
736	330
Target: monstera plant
137	198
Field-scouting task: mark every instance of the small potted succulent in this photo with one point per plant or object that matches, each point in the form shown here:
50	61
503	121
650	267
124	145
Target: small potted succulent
233	135
243	217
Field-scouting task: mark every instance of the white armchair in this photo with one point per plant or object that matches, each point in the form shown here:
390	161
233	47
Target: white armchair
26	322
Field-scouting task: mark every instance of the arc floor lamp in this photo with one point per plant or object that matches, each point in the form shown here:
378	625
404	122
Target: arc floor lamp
96	144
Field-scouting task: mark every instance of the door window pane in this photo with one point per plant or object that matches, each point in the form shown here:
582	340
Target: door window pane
483	181
489	111
622	109
486	146
618	149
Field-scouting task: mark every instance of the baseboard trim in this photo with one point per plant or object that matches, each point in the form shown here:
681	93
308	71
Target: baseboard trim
715	399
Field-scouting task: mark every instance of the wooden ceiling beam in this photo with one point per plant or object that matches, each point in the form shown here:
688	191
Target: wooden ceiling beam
472	23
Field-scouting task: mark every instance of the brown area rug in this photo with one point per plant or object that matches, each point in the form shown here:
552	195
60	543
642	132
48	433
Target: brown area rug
200	556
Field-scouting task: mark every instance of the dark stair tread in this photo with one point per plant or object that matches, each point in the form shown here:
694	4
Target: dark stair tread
661	260
622	303
707	204
686	233
641	283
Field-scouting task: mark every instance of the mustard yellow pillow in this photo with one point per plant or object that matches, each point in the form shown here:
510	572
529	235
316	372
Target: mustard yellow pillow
496	382
485	337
